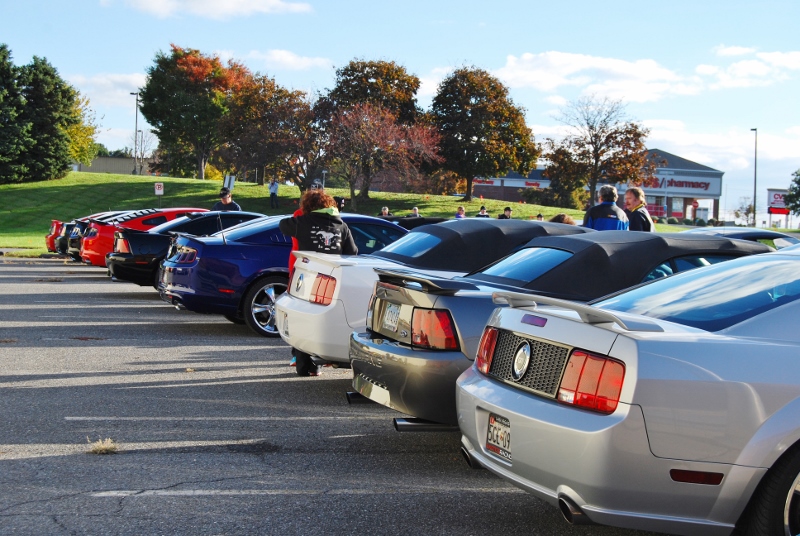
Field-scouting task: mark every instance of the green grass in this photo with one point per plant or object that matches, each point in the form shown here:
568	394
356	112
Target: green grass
28	208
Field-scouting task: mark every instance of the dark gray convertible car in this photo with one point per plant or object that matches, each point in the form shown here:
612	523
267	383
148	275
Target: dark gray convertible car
423	332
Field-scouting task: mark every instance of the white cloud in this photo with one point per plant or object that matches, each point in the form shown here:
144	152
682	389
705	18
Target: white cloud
109	89
216	9
722	50
786	60
286	60
637	81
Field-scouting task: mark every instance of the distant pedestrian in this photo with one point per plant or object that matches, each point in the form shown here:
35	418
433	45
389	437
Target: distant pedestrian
636	209
562	218
385	212
226	202
606	215
460	213
506	215
482	213
539	217
273	194
414	213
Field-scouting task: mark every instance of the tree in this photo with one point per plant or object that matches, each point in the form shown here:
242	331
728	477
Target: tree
792	198
366	140
50	110
15	136
380	83
262	127
82	131
567	178
185	97
482	132
604	145
745	211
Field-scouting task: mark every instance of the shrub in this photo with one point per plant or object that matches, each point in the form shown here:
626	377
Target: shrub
700	222
687	221
712	222
672	220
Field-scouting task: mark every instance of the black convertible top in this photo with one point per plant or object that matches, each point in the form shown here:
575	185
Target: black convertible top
606	261
468	244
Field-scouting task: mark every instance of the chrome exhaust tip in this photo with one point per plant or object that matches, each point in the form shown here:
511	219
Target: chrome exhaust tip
572	512
471	462
412	424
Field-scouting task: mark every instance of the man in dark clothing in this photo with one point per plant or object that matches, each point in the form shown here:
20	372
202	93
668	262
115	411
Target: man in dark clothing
636	210
506	215
226	202
606	216
482	213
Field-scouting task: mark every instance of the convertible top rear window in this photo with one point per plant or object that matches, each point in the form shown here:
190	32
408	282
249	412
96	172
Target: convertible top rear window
523	266
715	297
413	245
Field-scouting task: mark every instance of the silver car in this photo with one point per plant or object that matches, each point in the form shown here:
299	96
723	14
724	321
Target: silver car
424	331
671	407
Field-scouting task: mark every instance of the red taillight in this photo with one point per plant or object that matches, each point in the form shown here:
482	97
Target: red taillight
431	328
322	291
121	246
483	360
591	381
186	255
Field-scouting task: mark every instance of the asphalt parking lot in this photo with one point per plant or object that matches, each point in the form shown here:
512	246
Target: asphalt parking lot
217	434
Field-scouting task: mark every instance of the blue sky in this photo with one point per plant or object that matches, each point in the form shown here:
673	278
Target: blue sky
700	74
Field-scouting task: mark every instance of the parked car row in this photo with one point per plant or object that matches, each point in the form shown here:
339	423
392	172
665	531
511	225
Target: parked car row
648	378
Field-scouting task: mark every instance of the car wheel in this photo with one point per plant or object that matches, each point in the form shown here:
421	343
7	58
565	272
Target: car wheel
775	508
259	305
304	365
235	319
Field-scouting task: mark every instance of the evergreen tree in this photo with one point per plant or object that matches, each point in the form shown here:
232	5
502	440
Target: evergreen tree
49	105
15	134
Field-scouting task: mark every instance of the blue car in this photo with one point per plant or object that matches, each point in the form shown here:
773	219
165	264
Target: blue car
239	273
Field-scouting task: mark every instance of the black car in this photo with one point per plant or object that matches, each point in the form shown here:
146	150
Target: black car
72	232
423	332
775	239
137	254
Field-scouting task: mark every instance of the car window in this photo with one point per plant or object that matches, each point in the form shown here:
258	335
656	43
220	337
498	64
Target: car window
370	237
662	270
781	243
155	220
412	245
524	266
231	219
201	226
715	297
243	232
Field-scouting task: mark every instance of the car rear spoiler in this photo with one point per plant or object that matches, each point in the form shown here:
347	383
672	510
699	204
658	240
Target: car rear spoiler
587	313
426	283
326	258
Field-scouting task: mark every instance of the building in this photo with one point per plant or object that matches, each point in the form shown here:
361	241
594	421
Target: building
681	185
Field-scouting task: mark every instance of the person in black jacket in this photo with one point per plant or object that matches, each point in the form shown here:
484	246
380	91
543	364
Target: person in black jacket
636	209
320	228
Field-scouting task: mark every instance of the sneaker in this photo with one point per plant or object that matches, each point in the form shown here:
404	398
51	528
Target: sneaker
293	362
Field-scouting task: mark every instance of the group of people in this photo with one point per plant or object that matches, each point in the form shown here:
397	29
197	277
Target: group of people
607	216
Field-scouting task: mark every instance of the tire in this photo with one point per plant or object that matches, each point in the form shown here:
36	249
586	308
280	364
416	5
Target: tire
235	319
258	308
775	506
305	366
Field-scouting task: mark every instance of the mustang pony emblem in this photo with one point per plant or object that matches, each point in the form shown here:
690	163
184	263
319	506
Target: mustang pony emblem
326	237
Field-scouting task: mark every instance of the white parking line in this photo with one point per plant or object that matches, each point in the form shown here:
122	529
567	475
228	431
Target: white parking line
234	492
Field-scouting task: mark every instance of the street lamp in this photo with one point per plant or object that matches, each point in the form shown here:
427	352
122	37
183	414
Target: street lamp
135	131
755	176
136	157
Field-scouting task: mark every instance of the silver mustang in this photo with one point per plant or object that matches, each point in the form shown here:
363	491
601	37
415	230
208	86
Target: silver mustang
671	407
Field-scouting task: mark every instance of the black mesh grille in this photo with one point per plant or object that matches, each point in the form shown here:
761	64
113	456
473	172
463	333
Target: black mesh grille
545	368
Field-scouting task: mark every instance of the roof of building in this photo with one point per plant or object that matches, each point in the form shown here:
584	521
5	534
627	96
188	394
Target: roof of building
677	162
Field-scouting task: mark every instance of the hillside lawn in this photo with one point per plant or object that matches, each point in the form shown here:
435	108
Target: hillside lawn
28	208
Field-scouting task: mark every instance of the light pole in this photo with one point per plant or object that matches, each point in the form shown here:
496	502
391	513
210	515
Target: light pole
755	176
324	172
137	158
135	131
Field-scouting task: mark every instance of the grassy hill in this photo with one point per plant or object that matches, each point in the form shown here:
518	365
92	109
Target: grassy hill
28	208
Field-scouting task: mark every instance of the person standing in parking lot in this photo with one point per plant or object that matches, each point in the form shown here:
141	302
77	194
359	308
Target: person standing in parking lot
606	215
273	194
226	202
635	208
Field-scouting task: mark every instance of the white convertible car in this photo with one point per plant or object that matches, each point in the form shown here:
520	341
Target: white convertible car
328	295
671	407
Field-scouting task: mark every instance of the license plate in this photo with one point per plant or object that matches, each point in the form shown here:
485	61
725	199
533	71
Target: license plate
286	324
498	436
390	316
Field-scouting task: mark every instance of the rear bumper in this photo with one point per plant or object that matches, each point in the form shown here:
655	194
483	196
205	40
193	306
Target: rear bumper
416	382
319	330
126	268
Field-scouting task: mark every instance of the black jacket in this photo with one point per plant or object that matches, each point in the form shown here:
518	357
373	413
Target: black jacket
321	231
640	220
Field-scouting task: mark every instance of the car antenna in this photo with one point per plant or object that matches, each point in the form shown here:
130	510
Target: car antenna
221	229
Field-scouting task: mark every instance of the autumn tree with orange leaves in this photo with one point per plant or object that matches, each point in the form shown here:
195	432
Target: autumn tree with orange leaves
186	95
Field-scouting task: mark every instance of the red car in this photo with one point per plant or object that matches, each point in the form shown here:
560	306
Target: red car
50	238
98	240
